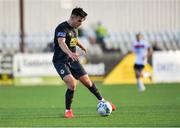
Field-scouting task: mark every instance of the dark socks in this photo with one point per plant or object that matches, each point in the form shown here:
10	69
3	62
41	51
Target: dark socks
95	91
69	97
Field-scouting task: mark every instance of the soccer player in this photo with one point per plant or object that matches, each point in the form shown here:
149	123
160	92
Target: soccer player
142	51
66	60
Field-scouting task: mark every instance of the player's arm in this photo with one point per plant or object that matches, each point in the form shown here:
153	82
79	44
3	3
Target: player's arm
150	51
80	45
132	50
64	47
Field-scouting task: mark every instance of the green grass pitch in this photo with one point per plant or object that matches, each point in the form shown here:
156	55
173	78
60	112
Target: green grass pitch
43	106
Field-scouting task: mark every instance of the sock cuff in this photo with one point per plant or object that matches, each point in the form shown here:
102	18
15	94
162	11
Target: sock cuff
70	91
93	86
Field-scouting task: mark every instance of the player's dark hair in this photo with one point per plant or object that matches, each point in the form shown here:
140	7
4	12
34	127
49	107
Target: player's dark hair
79	12
138	34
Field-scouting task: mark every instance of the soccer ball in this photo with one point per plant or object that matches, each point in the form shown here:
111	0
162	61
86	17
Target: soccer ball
104	108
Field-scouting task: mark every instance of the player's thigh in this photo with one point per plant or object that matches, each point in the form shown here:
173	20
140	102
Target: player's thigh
65	74
137	73
70	81
77	69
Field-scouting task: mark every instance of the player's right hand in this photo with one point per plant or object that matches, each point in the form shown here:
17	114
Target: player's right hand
84	49
74	56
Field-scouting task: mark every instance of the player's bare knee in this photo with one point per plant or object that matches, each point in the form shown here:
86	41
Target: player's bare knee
70	81
86	81
72	87
137	75
71	84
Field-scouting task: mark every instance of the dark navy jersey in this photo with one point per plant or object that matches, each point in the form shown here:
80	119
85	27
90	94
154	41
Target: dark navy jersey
64	30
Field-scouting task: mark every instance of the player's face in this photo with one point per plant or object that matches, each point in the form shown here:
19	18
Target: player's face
77	21
139	37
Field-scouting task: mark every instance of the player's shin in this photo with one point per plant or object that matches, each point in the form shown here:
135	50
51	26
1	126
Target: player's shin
96	92
140	85
68	98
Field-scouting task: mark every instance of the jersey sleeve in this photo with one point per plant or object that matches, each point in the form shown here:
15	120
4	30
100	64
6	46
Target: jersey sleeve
60	32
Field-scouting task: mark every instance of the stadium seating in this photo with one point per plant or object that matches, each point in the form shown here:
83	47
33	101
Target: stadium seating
123	41
115	41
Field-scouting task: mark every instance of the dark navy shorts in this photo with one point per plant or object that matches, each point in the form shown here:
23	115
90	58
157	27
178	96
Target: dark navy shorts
73	67
138	67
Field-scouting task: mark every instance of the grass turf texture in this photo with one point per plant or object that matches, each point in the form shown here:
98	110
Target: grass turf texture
159	105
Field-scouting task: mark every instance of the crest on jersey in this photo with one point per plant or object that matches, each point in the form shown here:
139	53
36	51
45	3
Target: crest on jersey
70	34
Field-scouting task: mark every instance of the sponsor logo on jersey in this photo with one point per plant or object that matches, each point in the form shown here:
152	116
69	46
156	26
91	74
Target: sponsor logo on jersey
139	46
73	42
